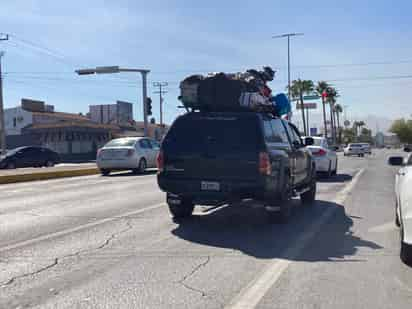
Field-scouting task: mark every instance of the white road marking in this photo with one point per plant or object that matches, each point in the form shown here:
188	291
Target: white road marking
386	227
252	294
77	228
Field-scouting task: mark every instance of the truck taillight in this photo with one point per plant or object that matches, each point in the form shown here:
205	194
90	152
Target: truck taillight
320	153
160	162
265	167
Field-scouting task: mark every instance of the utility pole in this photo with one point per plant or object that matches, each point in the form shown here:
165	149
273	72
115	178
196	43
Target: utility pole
2	125
160	92
287	35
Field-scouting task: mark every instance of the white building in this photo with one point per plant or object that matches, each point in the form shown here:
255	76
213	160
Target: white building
16	119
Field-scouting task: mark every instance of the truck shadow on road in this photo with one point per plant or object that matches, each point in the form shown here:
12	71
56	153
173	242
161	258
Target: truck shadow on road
247	230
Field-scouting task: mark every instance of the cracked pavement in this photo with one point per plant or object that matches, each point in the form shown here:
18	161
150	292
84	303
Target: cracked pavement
145	260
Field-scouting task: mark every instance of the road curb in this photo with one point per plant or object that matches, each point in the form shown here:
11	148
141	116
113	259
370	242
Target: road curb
6	179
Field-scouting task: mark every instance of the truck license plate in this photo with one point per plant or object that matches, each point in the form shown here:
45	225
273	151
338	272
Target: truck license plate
210	186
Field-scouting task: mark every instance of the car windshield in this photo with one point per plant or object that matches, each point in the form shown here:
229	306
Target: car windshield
121	142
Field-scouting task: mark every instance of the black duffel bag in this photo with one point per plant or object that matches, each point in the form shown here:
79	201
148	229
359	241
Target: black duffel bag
221	93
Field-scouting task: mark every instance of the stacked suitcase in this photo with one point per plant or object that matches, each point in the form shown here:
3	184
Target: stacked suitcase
246	91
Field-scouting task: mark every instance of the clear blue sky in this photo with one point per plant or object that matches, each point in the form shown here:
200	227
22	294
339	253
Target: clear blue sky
362	47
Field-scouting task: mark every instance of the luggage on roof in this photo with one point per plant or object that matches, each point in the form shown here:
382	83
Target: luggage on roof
222	92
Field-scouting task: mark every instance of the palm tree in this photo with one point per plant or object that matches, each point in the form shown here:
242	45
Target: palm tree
298	89
321	91
331	99
357	125
338	110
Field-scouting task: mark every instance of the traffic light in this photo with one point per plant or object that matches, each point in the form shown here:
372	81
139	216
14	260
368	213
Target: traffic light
149	106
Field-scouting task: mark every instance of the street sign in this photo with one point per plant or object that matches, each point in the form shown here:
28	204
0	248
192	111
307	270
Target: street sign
307	106
313	131
311	97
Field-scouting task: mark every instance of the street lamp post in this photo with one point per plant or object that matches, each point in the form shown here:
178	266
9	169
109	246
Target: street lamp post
116	69
287	35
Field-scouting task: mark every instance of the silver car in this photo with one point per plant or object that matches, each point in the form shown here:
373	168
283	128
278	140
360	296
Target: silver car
130	153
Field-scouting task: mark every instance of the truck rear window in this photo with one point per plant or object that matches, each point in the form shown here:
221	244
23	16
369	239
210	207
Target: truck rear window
212	134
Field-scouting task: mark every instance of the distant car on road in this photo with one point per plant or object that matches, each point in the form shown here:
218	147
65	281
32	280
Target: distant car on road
129	153
403	208
407	148
29	156
355	149
367	148
324	156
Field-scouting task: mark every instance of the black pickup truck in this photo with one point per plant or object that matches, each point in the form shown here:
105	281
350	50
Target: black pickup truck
217	158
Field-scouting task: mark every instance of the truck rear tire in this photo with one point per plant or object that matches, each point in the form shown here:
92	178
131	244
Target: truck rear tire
283	214
308	198
181	211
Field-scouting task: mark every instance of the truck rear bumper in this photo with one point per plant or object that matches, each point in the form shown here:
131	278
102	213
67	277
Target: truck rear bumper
229	190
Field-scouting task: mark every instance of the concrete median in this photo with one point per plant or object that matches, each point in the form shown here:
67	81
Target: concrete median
47	174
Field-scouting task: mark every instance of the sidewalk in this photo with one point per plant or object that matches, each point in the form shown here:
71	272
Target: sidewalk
43	173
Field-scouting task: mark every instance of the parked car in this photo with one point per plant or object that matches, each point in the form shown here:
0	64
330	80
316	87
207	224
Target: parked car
216	158
29	156
129	153
407	148
367	148
356	149
403	209
324	156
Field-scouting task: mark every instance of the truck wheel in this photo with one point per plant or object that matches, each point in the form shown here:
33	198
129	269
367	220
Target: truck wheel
308	198
182	210
284	207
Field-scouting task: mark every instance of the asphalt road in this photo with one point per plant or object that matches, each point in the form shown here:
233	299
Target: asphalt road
109	242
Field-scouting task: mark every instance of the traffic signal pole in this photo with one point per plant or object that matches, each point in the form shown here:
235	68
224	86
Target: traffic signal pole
144	79
117	69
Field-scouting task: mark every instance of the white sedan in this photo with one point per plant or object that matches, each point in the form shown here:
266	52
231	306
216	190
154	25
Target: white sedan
403	210
130	153
325	156
356	149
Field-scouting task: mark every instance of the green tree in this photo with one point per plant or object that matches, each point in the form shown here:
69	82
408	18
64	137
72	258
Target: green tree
349	135
332	94
298	89
366	136
403	129
320	90
338	110
358	125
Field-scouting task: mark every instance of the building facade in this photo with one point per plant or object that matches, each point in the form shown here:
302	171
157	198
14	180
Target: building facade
73	136
120	113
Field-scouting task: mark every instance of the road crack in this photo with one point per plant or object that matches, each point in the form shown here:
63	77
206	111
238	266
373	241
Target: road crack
57	260
13	279
194	270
